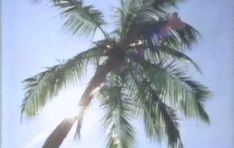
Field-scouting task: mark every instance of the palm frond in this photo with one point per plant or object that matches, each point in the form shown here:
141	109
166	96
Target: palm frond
80	18
171	32
183	92
125	17
175	87
135	17
160	120
155	31
47	84
117	105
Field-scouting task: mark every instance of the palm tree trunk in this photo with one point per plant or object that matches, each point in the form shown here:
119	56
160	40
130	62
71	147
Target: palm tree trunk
96	81
56	138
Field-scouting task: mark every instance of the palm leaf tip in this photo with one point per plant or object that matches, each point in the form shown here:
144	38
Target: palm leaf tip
200	94
161	120
41	87
30	104
172	130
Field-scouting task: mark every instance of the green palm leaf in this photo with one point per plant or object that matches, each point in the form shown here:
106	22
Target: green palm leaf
175	87
118	107
80	18
155	31
183	92
160	120
46	84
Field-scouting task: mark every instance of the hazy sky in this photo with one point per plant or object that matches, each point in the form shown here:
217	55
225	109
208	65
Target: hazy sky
33	38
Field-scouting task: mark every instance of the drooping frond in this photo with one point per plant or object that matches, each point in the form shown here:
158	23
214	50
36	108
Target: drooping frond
158	117
80	18
186	94
160	120
44	85
117	119
175	87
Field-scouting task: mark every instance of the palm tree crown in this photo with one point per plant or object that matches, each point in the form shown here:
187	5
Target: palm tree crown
138	72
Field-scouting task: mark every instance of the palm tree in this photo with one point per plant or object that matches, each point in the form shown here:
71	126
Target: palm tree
138	72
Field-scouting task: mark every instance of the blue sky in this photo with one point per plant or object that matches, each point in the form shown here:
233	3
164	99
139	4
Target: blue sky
33	38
